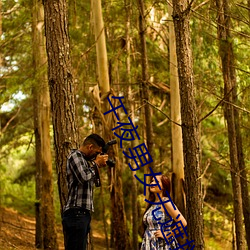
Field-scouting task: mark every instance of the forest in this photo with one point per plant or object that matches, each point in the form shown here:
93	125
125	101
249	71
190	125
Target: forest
177	70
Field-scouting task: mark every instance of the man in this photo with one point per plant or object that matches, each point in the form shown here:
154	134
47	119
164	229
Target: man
82	170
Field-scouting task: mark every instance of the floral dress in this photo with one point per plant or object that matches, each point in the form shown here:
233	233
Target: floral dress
150	242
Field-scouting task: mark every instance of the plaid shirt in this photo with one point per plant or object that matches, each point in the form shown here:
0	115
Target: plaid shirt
80	179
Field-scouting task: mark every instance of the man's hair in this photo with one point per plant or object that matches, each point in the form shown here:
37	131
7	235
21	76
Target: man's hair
94	139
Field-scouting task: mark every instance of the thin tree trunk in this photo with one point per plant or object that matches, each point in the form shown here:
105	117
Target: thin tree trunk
132	108
248	3
243	179
1	62
176	132
104	219
101	51
189	124
46	237
144	86
134	212
61	87
1	32
234	247
117	203
38	68
230	92
178	192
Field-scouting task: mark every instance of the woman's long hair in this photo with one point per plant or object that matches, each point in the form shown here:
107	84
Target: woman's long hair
166	186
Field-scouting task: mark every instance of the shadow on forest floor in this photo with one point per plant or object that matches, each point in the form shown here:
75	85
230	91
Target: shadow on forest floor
18	232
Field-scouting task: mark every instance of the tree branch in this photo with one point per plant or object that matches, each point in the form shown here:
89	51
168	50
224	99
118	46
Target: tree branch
161	112
10	120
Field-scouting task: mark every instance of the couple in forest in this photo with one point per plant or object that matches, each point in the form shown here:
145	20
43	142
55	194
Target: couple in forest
82	172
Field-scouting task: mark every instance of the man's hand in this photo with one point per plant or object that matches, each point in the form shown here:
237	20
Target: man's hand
101	160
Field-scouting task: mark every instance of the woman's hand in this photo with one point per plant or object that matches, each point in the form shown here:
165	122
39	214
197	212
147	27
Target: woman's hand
159	234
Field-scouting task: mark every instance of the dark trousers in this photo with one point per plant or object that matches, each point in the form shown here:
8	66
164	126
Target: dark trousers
76	226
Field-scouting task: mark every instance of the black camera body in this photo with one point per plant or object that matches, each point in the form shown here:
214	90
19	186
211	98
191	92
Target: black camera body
110	162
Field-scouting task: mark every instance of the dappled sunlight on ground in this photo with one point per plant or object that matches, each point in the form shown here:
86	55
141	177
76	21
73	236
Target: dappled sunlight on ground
18	232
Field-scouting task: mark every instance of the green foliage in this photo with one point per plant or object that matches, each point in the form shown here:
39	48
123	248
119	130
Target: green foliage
19	197
15	73
218	228
18	189
25	174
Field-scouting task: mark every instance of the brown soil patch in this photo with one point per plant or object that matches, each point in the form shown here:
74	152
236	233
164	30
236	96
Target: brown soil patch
18	232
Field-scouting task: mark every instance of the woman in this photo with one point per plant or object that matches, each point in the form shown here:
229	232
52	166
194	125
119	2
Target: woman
153	238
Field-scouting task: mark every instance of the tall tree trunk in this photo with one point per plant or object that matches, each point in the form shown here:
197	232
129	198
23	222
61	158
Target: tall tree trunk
46	237
132	108
104	219
1	32
117	203
39	228
144	86
189	123
248	3
1	62
101	51
230	93
176	132
243	179
179	195
61	87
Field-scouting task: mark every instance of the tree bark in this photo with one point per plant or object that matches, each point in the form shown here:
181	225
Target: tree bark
231	116
248	4
1	62
144	89
101	51
61	87
117	203
134	192
243	178
46	237
176	131
1	31
191	146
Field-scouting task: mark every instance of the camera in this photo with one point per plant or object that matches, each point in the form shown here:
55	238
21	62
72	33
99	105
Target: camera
110	162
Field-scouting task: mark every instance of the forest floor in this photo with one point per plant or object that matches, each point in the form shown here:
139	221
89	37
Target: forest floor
18	232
